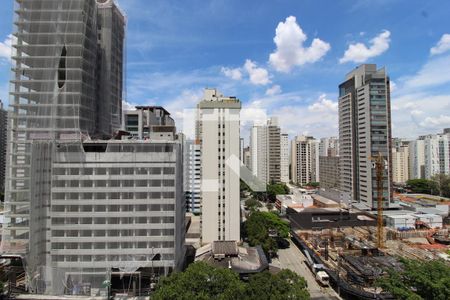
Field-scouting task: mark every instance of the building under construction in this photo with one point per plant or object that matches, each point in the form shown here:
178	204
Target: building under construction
83	206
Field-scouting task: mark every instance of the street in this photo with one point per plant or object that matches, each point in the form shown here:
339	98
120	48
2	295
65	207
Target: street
293	259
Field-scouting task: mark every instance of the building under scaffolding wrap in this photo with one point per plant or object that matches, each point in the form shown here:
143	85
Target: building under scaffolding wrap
67	212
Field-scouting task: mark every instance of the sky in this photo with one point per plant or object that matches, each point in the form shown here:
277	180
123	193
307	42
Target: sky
284	57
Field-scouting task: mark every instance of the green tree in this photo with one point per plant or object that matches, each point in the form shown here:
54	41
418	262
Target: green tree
313	184
276	189
422	186
441	183
284	285
201	282
252	204
418	280
260	225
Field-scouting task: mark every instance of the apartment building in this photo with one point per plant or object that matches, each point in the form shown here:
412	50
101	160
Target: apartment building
193	177
364	132
218	131
3	144
304	160
400	161
284	158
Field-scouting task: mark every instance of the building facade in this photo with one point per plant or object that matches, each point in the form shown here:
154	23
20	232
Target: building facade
400	161
329	146
437	156
284	158
304	160
417	159
364	132
3	145
114	205
329	177
219	136
274	151
149	122
193	177
259	152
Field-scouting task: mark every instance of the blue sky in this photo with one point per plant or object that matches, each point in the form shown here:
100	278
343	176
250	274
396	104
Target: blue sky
284	56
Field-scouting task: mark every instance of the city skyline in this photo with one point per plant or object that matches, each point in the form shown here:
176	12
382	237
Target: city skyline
302	86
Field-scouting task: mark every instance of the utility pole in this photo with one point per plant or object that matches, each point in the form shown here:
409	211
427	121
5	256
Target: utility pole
379	165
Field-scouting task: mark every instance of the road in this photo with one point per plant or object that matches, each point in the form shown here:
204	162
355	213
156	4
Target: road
293	259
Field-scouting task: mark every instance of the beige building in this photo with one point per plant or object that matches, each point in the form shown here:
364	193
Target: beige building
218	132
304	160
400	162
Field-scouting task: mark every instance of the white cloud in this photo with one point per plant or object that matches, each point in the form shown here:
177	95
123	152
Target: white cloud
257	75
433	122
442	46
234	74
6	47
290	52
433	73
360	53
127	105
323	105
274	90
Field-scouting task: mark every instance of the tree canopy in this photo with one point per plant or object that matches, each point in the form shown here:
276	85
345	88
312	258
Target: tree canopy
260	225
202	281
418	280
422	186
252	204
276	189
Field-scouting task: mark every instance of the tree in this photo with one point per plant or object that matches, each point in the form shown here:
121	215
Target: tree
252	204
260	225
441	184
313	184
422	186
276	189
284	285
418	280
200	281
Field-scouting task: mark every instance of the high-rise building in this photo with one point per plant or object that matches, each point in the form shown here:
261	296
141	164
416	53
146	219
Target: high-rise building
364	132
259	152
265	147
55	96
247	158
284	158
116	204
400	161
329	177
329	146
193	177
76	209
111	35
437	155
219	135
304	160
3	141
417	159
273	153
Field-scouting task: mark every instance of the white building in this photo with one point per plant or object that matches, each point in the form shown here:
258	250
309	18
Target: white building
193	177
284	158
115	204
259	152
437	156
329	146
417	159
304	160
219	136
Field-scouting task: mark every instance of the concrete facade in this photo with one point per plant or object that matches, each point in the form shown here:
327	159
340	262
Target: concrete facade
364	132
329	177
284	158
417	159
400	162
3	144
219	137
304	160
259	152
437	155
193	177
